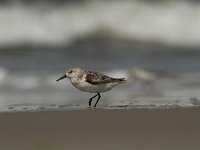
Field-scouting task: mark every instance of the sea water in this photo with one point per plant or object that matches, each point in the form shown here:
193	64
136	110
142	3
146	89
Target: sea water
39	42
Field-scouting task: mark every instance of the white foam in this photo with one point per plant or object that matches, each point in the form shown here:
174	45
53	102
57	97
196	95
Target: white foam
168	22
118	73
24	81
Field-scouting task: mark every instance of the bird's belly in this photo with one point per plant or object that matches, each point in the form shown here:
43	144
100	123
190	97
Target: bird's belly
93	88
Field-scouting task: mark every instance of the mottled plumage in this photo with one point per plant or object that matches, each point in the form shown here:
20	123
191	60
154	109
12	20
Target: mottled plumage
99	78
90	81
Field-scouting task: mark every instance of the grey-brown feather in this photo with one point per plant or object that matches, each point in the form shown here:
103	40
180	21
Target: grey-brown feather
99	78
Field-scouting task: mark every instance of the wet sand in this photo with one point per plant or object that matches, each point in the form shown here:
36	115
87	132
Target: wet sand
137	129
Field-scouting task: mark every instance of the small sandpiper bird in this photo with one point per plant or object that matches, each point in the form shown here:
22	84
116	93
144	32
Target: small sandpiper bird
90	81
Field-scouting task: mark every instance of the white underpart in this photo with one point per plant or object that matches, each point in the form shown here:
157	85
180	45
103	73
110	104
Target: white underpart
94	88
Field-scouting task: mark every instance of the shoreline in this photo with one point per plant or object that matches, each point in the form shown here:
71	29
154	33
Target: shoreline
68	108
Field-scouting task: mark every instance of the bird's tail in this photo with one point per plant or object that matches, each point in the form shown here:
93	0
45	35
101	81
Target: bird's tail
121	80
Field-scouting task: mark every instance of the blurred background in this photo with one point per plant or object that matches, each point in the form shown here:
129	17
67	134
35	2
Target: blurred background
153	43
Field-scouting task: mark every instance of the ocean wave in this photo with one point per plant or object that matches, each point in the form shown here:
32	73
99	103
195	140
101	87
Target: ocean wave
23	81
171	23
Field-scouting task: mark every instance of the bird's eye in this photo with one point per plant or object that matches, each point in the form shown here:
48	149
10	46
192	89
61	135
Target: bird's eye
70	71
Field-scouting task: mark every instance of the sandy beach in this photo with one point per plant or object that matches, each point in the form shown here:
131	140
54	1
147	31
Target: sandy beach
139	129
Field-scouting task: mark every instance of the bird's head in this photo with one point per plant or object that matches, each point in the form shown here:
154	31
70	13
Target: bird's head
70	73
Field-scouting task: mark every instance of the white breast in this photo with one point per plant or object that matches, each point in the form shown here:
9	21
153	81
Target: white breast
94	88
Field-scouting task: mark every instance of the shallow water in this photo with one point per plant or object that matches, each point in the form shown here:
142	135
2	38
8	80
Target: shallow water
28	80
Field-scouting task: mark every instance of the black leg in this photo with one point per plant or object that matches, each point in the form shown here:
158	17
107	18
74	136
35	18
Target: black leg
90	100
99	96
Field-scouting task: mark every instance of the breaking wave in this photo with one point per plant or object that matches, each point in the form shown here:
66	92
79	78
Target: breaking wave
171	23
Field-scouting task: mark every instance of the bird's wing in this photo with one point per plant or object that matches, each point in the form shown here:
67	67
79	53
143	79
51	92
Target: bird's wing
98	78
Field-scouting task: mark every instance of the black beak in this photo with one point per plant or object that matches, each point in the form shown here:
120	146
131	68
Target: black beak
62	77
